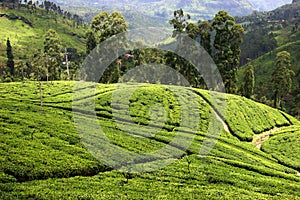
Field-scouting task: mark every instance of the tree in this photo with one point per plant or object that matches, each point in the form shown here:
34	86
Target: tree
106	25
10	58
103	27
52	54
38	63
181	29
248	86
90	42
179	23
226	53
282	78
204	28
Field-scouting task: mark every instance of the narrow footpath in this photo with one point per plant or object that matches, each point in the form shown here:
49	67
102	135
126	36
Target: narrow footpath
259	139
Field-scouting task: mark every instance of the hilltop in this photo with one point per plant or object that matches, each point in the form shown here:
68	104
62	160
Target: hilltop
43	156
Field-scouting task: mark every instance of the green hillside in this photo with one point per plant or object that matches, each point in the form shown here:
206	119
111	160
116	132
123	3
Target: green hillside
26	29
267	34
44	157
265	65
282	146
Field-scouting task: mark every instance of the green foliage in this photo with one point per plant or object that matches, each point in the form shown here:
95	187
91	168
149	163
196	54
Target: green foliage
90	41
205	36
10	58
284	146
248	86
227	43
45	145
249	117
282	77
106	25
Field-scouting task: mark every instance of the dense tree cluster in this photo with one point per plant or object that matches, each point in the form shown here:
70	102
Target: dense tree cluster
221	38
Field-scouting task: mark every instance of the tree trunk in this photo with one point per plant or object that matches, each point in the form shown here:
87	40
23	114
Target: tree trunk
275	99
41	95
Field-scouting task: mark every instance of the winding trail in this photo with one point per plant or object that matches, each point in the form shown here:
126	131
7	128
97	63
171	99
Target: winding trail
259	139
225	126
215	111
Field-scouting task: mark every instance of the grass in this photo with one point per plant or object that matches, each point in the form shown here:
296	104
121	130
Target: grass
43	156
26	39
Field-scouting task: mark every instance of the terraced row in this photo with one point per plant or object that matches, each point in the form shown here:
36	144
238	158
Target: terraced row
37	145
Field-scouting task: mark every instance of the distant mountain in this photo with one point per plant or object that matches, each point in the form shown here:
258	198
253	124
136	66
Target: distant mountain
156	13
199	9
263	5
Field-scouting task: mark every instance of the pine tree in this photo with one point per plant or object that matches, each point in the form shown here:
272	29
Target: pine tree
248	86
10	58
282	78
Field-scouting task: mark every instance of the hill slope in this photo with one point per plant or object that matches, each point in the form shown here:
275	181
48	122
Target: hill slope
44	157
268	5
26	29
267	34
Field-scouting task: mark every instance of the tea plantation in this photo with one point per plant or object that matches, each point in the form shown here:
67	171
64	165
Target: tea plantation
46	153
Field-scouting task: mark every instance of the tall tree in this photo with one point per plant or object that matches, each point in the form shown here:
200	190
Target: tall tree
38	64
228	38
106	25
10	58
53	54
90	41
103	27
181	27
282	78
248	85
204	28
180	23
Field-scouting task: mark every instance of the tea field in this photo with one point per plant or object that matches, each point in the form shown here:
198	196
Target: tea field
55	152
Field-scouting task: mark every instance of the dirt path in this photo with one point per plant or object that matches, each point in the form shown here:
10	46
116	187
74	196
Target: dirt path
258	140
226	127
